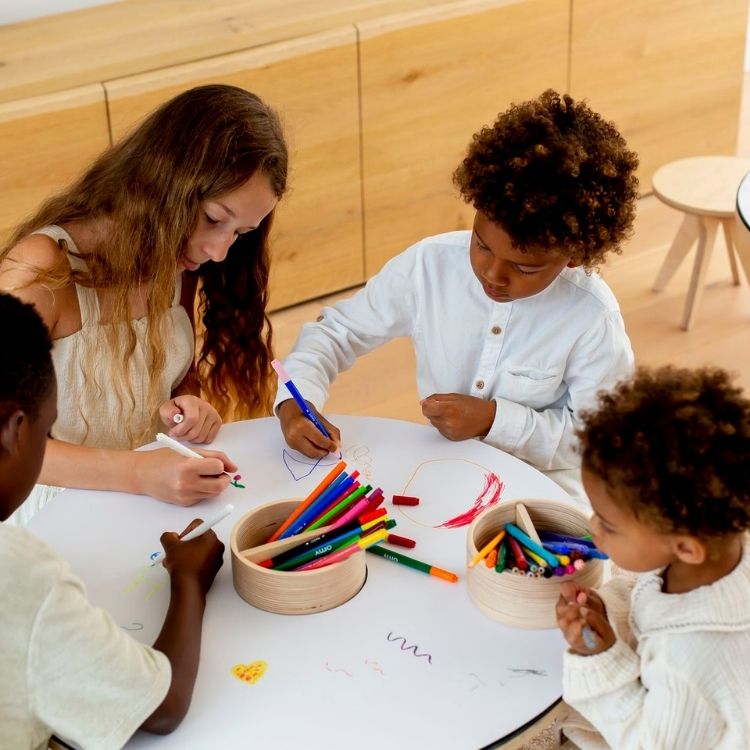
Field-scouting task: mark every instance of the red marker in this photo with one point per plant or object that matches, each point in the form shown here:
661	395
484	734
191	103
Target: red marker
401	541
405	500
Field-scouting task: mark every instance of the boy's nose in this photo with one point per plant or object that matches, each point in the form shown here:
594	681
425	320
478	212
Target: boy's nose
497	274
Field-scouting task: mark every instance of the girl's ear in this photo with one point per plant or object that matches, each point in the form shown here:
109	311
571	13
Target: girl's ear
10	430
690	550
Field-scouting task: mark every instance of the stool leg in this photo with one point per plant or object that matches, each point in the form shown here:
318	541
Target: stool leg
679	248
741	243
706	239
728	226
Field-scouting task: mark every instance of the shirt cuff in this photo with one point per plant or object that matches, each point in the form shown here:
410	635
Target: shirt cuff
508	425
585	677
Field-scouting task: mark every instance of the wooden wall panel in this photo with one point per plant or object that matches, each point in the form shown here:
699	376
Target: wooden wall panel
45	142
312	83
669	74
429	83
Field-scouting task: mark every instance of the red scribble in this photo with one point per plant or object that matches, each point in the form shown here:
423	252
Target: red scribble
348	674
489	496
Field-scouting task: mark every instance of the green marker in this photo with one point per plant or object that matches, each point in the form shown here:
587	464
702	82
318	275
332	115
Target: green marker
326	549
412	563
502	552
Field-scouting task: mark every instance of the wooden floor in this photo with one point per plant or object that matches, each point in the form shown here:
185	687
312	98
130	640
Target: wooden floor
383	384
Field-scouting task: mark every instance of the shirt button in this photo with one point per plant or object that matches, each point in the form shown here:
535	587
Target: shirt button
480	384
496	330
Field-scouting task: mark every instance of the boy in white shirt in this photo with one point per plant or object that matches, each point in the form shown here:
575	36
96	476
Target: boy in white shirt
512	331
665	466
67	668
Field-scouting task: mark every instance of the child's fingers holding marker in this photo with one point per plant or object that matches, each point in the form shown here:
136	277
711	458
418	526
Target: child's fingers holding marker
594	634
176	479
197	559
200	422
303	436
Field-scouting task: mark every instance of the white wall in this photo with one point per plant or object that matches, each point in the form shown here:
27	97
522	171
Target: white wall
12	11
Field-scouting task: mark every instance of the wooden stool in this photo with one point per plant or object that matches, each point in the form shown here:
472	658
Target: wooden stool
704	188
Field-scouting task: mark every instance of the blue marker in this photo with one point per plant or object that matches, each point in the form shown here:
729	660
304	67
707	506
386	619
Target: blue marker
589	639
297	396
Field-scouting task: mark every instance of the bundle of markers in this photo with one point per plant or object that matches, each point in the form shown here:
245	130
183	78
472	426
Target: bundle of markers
514	551
348	509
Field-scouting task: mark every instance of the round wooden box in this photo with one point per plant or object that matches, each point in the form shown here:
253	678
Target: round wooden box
287	592
517	600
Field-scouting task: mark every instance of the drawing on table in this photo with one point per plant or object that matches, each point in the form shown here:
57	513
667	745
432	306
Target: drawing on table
155	576
360	454
299	465
444	486
374	664
250	673
328	667
478	680
235	482
524	672
404	647
133	626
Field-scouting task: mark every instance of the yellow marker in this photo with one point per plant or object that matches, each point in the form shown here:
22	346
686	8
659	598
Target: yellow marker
540	561
487	548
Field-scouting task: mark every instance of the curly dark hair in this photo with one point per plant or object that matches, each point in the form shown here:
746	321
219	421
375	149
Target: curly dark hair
674	444
555	176
26	370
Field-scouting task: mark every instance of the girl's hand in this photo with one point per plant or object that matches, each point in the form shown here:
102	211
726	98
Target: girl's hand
168	476
579	609
200	421
302	435
459	417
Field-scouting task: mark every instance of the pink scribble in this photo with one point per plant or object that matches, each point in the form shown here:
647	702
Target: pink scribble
489	496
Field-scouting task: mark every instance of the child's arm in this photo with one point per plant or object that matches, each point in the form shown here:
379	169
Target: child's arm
192	568
161	473
674	712
602	678
385	309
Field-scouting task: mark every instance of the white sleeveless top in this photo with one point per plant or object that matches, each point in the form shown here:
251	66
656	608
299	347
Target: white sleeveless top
88	411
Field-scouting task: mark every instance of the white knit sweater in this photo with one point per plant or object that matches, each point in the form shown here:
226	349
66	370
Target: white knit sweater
678	676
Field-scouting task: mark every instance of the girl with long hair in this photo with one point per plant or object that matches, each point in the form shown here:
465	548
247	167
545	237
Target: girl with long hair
169	224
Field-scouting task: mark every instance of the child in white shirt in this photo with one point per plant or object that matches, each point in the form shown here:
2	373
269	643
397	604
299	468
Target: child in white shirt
666	468
512	332
67	668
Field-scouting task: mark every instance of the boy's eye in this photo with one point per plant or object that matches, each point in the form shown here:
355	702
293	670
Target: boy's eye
526	271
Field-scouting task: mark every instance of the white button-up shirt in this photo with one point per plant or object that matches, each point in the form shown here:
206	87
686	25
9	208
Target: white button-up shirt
542	358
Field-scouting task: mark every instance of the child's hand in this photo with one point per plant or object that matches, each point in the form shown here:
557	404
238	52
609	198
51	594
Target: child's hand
579	610
200	421
197	560
168	476
459	417
571	592
302	435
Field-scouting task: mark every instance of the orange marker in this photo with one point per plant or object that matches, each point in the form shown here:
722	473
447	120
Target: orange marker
487	548
309	500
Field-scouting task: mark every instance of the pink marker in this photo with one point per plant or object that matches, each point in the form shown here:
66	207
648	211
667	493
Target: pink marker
342	554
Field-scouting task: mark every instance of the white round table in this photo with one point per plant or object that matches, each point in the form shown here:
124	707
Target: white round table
408	662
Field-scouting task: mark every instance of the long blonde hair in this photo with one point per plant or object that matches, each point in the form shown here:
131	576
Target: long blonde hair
148	188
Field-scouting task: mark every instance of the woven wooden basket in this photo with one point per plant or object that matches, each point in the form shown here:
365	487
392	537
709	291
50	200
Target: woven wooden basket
517	600
283	592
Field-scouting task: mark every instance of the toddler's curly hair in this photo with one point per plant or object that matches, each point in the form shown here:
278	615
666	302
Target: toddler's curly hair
674	444
555	176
